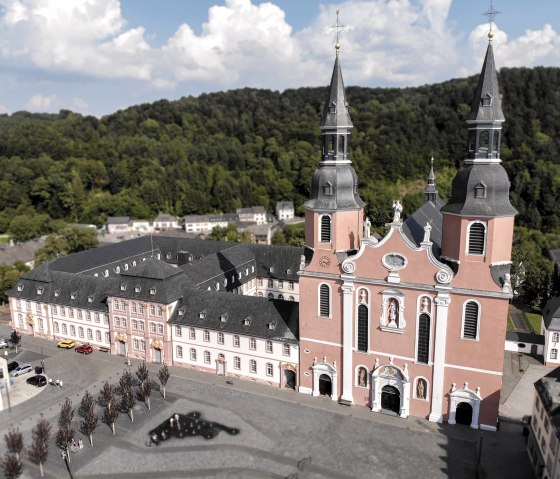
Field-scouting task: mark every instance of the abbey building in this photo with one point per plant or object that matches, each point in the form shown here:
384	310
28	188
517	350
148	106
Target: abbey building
412	323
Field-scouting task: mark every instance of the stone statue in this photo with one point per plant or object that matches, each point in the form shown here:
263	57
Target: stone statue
420	391
425	304
392	311
363	296
427	231
362	378
367	228
397	206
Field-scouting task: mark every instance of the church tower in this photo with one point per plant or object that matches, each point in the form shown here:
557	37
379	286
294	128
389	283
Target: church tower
478	219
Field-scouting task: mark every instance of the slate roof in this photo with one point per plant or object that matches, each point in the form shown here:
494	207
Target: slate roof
165	217
261	312
118	220
336	96
280	258
152	269
285	205
548	388
429	212
170	246
551	314
521	337
21	252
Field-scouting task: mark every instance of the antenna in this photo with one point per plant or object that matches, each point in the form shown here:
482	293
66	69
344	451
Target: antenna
338	27
491	14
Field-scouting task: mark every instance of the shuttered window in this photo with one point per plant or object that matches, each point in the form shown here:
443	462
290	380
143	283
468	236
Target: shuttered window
470	326
325	229
324	301
477	237
362	328
423	351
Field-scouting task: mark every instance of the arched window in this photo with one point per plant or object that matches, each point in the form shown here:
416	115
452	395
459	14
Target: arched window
324	301
423	348
496	144
477	238
470	320
484	138
270	296
341	143
325	229
280	296
362	328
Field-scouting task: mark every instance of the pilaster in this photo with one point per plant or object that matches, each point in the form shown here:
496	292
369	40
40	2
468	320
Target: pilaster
347	329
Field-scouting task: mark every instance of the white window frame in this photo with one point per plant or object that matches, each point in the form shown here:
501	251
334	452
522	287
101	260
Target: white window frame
477	320
321	229
469	237
319	301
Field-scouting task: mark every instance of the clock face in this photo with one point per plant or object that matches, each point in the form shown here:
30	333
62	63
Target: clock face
324	261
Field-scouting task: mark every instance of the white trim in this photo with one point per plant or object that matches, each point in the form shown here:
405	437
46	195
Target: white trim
395	356
378	382
457	396
477	320
347	335
367	305
486	427
420	311
329	370
476	370
469	225
305	390
356	378
320	235
319	300
328	343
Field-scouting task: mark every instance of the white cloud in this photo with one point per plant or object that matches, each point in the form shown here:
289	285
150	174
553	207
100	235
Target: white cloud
80	104
40	103
3	109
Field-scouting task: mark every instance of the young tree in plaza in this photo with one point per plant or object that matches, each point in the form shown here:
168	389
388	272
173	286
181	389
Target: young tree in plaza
111	415
86	404
146	391
15	339
66	413
163	376
107	394
14	441
39	449
64	439
128	401
125	381
89	424
142	372
12	466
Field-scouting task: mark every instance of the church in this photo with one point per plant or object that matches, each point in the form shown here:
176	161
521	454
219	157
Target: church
409	324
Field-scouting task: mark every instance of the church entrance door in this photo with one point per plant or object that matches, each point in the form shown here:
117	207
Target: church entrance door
463	414
157	356
289	379
391	399
122	348
325	385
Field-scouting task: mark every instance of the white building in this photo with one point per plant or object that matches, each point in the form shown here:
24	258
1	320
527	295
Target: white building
285	210
206	223
550	328
164	222
254	214
118	224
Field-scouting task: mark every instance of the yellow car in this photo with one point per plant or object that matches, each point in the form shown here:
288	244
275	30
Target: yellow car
67	344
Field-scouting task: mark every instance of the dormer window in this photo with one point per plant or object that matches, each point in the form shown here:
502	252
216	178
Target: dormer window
217	286
486	100
223	317
168	256
73	294
20	287
181	311
202	314
288	271
271	326
152	291
90	298
137	289
328	189
40	291
224	282
57	293
126	266
123	287
247	321
480	190
271	269
118	269
332	108
106	273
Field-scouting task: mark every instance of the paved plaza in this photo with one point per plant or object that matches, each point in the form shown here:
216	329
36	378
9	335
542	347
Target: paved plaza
283	434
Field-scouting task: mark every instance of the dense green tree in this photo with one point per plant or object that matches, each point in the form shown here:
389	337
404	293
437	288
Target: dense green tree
71	239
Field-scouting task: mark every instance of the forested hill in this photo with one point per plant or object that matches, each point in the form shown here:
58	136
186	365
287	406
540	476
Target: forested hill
247	147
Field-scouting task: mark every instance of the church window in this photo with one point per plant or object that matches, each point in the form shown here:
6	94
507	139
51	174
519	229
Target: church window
362	328
423	346
470	320
324	301
325	229
477	238
496	143
480	190
328	189
484	139
341	144
472	139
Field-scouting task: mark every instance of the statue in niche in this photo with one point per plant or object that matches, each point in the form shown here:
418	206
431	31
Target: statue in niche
367	228
392	312
425	305
421	389
363	298
362	377
397	207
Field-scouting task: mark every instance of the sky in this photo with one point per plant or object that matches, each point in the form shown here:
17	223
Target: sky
98	56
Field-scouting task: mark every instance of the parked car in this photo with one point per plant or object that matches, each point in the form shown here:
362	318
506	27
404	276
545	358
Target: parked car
38	381
84	349
67	344
12	365
22	369
4	343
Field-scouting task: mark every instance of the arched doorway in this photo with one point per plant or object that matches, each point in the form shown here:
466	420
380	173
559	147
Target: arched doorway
325	385
391	399
463	414
289	379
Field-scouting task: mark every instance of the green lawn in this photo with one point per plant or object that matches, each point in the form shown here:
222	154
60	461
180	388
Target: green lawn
4	239
535	321
510	326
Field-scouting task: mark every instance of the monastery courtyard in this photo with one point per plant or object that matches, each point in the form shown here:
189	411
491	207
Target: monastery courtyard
283	434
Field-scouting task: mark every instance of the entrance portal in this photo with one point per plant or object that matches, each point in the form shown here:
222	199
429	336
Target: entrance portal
122	348
157	356
220	368
325	385
289	379
391	399
463	414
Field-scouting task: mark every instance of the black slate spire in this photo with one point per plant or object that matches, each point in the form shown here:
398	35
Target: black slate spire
335	113
431	193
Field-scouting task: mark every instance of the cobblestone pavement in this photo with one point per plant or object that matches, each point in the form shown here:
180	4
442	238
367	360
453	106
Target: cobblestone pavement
280	430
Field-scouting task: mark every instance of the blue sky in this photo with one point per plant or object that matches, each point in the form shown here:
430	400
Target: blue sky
97	56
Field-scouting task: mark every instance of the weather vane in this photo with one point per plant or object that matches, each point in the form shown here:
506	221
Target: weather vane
490	13
338	27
